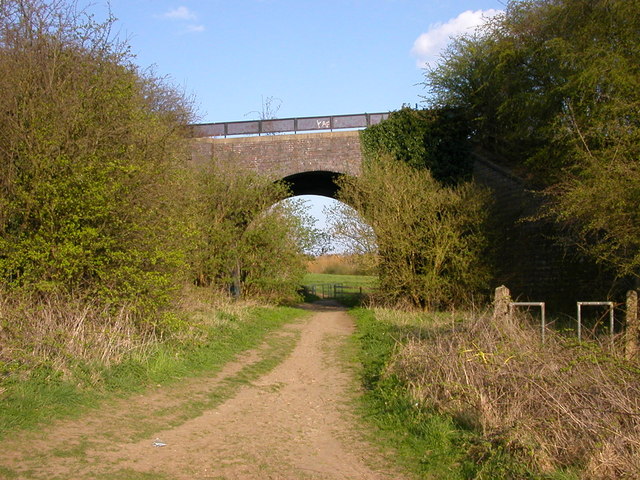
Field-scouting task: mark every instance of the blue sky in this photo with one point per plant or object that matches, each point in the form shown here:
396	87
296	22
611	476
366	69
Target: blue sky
318	57
322	57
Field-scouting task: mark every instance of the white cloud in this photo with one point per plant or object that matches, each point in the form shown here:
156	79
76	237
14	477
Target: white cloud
195	28
180	13
429	45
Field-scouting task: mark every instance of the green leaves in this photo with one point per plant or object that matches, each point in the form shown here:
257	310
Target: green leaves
426	218
433	139
553	88
429	236
243	236
90	162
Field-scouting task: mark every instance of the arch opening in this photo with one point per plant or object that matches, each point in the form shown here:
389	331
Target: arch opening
340	230
319	182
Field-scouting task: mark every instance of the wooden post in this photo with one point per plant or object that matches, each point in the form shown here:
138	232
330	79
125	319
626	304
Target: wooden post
501	304
632	327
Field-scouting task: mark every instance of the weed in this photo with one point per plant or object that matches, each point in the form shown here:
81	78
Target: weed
558	407
434	442
7	474
128	474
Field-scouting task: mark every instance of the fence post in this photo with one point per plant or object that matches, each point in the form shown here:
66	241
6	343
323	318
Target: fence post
501	304
632	326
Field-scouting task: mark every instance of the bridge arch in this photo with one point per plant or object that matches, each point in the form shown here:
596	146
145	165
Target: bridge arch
310	161
302	159
322	183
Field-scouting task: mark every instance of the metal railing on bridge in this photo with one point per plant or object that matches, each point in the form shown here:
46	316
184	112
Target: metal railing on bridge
286	125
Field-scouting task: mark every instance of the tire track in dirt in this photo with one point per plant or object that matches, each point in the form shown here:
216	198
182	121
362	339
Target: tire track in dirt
292	423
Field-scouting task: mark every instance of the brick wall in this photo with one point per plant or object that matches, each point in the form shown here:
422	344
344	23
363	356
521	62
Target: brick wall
282	155
526	255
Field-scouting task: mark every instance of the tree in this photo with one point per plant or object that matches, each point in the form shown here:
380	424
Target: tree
353	235
312	241
244	236
435	139
91	161
268	111
554	87
274	257
429	236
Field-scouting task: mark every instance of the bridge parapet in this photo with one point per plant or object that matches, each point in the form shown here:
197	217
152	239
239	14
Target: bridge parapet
280	156
286	125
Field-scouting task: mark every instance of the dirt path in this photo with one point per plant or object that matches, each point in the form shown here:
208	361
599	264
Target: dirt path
292	423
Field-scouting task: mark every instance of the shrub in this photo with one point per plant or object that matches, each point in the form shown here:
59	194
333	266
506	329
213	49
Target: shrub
553	88
436	139
429	236
90	161
244	238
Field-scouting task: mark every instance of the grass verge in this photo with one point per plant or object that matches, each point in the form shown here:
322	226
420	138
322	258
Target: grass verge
42	394
367	282
431	444
350	290
557	406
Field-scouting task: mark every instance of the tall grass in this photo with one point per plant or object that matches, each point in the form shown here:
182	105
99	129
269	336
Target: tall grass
60	355
425	441
555	406
60	331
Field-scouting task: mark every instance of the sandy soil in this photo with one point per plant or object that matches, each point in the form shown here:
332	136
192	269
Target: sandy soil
295	422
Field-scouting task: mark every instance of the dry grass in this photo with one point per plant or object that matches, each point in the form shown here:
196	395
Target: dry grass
61	332
339	265
556	405
208	304
58	331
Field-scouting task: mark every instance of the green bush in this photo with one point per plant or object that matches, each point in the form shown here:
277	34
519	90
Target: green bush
244	238
437	140
90	161
553	88
430	237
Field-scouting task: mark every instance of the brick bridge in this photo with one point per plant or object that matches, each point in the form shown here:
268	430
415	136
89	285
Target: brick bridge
308	153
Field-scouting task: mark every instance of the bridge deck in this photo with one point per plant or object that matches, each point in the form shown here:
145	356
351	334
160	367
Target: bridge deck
286	125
